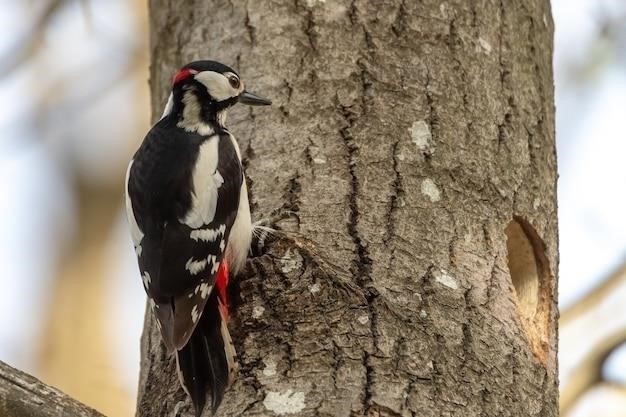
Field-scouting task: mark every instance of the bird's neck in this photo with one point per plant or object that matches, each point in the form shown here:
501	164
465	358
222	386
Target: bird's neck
192	116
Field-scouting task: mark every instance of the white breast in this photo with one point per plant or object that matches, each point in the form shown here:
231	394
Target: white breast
241	232
135	232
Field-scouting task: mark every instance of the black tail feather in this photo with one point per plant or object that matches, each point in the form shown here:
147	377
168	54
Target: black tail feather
203	363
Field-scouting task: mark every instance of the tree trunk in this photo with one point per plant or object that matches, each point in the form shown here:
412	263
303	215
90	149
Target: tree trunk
413	145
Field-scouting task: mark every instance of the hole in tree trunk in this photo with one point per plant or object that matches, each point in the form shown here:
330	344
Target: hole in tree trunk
530	275
523	268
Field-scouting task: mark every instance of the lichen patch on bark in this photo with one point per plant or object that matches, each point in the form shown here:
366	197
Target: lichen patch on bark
287	402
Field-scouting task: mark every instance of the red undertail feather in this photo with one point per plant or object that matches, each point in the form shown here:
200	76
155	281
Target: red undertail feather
221	283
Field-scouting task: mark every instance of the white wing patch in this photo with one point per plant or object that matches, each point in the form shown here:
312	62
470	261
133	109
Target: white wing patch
205	290
213	261
146	279
204	195
194	314
135	232
219	180
208	235
194	267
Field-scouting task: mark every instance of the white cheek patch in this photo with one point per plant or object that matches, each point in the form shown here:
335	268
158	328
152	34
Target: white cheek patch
217	84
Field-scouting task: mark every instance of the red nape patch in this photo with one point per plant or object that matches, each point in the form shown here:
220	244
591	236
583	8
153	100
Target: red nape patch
221	282
183	74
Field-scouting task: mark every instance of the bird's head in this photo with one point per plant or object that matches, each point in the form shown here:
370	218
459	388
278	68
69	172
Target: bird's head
203	91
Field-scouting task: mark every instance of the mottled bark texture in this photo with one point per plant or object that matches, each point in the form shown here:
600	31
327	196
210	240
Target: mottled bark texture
413	144
22	395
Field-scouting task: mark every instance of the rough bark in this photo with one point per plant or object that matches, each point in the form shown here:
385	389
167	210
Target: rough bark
22	395
413	143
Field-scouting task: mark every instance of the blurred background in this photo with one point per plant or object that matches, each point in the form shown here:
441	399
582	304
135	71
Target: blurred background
74	103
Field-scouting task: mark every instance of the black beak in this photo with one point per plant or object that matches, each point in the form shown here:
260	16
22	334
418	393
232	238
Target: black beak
253	100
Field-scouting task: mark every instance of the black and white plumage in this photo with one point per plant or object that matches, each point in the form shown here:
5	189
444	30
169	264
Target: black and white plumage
189	217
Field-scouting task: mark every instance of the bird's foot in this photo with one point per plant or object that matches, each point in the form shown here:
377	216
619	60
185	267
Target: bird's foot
267	230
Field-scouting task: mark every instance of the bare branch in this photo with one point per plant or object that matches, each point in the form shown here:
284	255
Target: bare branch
582	319
23	395
593	298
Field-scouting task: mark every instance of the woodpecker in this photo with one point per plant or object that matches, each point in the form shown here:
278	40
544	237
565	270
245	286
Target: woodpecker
189	218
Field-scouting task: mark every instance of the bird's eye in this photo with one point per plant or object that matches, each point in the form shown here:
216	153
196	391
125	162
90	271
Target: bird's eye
234	82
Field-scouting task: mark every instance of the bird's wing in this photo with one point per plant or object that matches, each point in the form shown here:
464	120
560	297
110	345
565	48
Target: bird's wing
180	260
